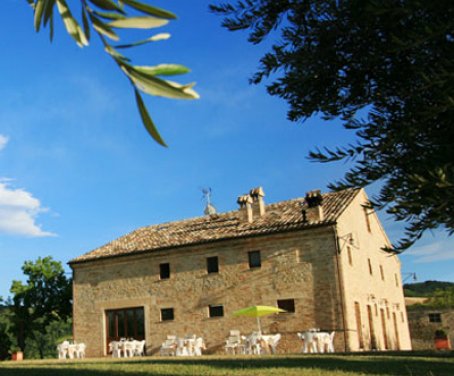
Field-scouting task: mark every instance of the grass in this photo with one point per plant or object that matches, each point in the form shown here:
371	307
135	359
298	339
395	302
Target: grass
387	364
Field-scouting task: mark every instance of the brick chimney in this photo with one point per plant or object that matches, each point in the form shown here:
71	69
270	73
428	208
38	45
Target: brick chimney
258	204
245	203
313	211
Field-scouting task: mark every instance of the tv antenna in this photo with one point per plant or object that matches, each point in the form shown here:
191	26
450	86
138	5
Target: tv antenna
209	207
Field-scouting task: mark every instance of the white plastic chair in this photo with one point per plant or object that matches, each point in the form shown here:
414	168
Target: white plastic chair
271	342
199	345
181	347
169	346
80	350
62	349
139	348
326	342
128	348
233	344
310	341
252	343
115	348
71	351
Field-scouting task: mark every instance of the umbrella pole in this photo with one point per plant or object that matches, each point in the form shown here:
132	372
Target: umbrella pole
258	324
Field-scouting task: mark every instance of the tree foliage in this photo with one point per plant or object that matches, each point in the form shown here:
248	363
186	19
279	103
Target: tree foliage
106	18
443	298
426	289
43	299
386	69
6	335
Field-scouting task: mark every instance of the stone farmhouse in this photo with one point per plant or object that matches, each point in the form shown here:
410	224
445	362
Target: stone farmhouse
319	257
425	320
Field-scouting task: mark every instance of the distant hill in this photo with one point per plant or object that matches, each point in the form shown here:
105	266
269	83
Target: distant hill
426	288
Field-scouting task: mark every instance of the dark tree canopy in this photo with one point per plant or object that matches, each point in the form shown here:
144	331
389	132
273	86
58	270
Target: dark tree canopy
44	298
386	69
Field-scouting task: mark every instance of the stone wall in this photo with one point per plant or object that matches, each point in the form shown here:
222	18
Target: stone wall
295	265
372	279
423	330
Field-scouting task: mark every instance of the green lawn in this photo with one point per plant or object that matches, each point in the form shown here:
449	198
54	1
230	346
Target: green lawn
409	364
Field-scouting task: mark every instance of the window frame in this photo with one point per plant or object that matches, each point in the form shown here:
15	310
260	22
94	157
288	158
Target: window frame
284	306
253	264
435	317
163	273
167	311
212	268
212	310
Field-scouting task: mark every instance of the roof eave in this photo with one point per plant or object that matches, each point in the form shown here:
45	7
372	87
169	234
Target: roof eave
208	241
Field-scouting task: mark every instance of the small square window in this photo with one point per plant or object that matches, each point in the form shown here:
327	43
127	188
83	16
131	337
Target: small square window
216	310
164	271
255	259
382	273
434	317
370	267
212	264
167	314
287	305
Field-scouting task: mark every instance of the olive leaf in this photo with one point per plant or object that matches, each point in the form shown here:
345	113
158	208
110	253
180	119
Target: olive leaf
103	16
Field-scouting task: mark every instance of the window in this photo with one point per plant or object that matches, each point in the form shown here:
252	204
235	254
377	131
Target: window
366	215
396	279
359	330
382	273
287	305
167	314
349	254
164	271
212	264
434	317
255	260
216	310
370	267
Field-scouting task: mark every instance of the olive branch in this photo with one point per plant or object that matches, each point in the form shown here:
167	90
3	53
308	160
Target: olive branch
106	17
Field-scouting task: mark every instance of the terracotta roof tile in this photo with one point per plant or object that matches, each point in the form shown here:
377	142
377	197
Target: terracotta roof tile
279	217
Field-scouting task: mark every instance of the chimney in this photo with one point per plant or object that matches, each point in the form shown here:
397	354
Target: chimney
245	203
314	209
258	205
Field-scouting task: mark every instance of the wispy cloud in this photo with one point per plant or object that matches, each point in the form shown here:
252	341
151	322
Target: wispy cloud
18	212
434	252
3	141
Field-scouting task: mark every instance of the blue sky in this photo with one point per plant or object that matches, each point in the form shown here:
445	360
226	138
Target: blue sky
77	168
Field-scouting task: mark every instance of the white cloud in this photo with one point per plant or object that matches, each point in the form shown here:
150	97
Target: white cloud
438	251
18	212
3	141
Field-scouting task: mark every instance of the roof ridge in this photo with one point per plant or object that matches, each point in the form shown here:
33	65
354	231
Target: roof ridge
286	216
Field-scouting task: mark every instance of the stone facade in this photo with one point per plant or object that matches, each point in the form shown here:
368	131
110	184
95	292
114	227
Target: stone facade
424	321
375	312
323	268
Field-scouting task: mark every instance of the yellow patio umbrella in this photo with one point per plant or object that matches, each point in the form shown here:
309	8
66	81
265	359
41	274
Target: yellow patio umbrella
258	311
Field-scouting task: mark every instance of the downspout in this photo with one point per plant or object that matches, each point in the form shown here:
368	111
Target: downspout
341	285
